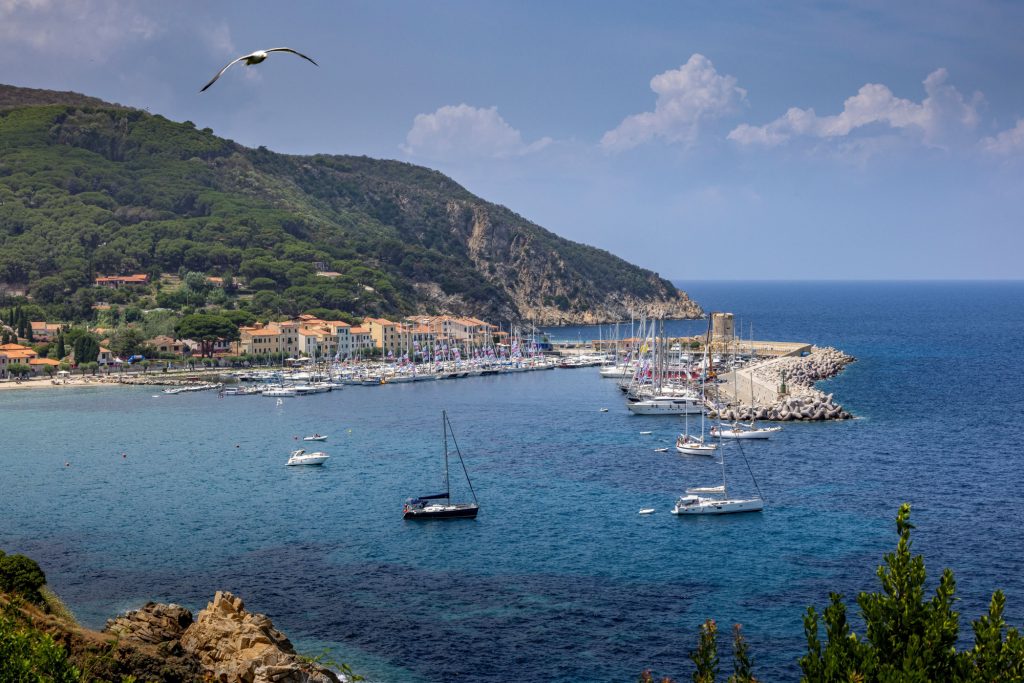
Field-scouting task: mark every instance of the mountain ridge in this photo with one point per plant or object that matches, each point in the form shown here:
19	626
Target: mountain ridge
92	188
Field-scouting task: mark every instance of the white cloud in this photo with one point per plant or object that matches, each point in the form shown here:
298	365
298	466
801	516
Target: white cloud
217	37
1008	142
938	119
92	29
687	97
463	131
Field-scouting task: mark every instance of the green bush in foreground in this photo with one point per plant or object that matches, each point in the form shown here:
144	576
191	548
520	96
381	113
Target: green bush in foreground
909	639
27	654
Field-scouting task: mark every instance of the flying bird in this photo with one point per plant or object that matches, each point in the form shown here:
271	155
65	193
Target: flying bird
255	58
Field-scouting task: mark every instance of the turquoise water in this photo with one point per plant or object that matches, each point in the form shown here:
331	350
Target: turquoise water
558	579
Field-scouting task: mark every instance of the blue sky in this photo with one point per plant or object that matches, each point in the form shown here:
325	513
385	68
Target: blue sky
704	140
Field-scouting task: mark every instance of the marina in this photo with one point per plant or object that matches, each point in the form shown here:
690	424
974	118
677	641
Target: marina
576	566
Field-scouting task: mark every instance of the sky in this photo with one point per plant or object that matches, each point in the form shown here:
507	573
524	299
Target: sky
703	140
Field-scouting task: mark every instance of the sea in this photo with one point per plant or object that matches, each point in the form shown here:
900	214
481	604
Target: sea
127	495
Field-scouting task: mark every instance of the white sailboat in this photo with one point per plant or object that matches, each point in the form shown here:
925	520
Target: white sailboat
691	445
715	500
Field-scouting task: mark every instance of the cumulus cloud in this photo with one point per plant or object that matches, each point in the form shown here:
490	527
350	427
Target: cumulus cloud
85	28
1008	142
939	117
462	131
687	98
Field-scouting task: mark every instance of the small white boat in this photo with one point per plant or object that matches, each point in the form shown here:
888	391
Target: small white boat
604	410
661	450
646	511
315	437
281	392
742	431
644	433
301	457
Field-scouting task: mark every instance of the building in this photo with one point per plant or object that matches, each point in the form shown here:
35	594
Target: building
39	365
15	354
119	281
164	344
269	339
387	336
361	340
45	332
723	327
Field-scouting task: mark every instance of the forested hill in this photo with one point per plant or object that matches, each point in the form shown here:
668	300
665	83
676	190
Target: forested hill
89	188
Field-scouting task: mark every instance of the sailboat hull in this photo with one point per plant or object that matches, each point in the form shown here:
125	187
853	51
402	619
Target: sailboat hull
719	507
458	511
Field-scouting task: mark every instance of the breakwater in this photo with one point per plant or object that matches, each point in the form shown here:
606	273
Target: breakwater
782	389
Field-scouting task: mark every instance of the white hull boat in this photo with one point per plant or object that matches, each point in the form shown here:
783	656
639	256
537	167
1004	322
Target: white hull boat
315	437
667	405
743	432
301	457
280	392
691	504
694	446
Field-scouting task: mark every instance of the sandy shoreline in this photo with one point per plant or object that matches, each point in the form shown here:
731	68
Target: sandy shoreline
132	380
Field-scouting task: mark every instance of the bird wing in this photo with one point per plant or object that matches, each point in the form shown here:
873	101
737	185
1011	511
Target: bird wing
294	52
214	79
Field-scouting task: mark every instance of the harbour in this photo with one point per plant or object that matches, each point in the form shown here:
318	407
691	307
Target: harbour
558	563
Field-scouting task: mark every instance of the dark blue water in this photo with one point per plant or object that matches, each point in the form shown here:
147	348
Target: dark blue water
558	579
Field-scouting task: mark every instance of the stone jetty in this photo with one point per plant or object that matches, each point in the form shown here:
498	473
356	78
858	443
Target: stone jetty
225	643
782	389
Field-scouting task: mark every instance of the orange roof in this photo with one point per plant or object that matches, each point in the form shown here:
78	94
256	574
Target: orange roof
44	361
14	347
359	330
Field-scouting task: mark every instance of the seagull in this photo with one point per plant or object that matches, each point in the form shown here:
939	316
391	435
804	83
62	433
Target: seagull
255	58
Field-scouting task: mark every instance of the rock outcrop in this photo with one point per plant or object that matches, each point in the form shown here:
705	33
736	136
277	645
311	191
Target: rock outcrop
236	646
153	623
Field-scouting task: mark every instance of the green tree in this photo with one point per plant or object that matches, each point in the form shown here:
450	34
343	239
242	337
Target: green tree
18	369
61	351
126	342
909	638
86	348
21	575
206	329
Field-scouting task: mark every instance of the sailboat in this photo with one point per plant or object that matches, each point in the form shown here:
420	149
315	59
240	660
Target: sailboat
714	500
693	445
440	505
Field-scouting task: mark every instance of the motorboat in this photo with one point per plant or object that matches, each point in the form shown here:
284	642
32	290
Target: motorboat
666	405
743	431
301	457
315	437
281	392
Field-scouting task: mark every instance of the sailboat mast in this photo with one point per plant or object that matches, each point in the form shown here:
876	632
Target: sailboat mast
444	429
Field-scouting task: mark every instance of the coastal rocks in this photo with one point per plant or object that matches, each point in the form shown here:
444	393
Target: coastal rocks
153	623
801	400
236	646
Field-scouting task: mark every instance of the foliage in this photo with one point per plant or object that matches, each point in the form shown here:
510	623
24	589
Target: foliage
98	190
86	348
206	329
18	369
910	638
27	654
21	575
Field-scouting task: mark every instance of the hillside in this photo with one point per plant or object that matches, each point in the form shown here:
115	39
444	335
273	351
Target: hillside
89	188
